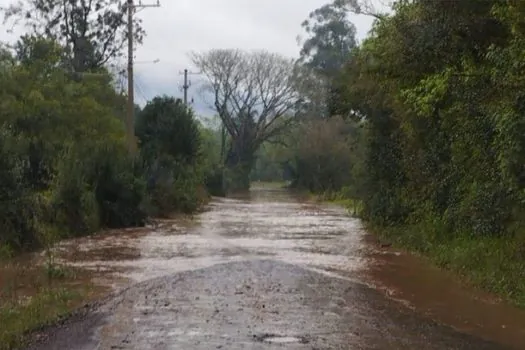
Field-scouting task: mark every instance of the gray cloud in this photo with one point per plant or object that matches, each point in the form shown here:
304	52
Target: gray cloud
181	26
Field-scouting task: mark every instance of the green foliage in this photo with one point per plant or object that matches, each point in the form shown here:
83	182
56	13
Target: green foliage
214	182
19	318
74	206
438	89
166	126
323	154
64	166
211	162
92	32
436	138
15	202
170	141
98	186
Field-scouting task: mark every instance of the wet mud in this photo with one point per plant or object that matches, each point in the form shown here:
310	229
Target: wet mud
268	271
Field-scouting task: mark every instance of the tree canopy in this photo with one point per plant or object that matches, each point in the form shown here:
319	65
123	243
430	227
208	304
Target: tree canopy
91	32
64	167
437	90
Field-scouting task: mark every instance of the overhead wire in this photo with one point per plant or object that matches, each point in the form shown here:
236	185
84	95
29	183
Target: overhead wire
142	89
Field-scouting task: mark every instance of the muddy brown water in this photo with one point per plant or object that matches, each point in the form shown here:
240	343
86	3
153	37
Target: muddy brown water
269	270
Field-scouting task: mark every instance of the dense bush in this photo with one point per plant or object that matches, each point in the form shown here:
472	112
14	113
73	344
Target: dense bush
97	186
64	167
214	181
170	143
16	201
438	89
64	164
323	156
444	122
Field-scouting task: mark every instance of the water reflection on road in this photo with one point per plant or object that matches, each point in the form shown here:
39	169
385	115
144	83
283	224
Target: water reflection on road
272	224
318	237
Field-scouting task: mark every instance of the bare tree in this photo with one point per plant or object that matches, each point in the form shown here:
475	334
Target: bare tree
256	96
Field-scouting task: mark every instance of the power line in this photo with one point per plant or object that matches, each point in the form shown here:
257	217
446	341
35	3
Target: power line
130	120
142	88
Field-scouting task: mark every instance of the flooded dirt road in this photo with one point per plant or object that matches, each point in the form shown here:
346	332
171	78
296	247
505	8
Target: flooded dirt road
263	272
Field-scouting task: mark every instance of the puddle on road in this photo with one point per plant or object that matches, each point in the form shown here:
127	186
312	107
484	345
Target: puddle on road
281	339
274	224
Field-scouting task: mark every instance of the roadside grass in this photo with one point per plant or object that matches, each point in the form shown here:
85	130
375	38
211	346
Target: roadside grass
33	296
47	306
494	264
354	207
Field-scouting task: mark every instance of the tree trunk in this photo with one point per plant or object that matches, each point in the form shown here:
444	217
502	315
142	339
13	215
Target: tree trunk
238	165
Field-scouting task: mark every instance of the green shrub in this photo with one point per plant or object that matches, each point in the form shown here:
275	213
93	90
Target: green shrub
74	207
99	188
170	142
17	207
119	187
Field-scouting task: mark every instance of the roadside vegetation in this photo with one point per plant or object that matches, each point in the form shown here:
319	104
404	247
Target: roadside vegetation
420	129
65	170
424	131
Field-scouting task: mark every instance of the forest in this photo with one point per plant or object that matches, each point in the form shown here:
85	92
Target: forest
65	169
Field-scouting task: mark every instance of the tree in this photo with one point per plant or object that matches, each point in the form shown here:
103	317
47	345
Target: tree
92	32
256	96
170	145
64	148
166	127
332	38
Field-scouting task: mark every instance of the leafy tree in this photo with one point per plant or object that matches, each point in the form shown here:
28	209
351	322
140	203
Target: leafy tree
56	131
328	47
170	143
331	39
92	32
166	127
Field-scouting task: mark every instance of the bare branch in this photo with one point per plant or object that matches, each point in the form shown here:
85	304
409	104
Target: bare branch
250	88
362	7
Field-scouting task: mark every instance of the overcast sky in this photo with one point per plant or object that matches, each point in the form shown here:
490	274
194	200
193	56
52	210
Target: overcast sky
181	26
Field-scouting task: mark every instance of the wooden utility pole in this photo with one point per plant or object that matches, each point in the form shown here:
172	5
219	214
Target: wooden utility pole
187	85
130	122
130	118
